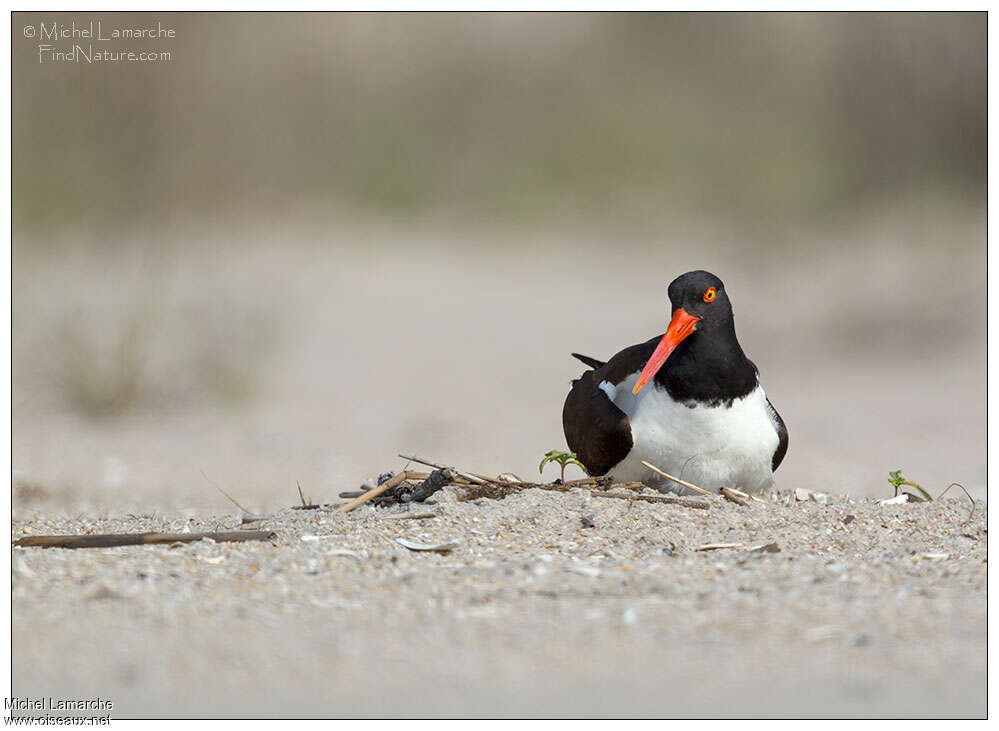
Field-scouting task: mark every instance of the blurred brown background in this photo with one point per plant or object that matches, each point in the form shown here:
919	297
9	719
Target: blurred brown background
308	242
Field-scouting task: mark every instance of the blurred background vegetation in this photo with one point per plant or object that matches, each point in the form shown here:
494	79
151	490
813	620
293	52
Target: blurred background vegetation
501	119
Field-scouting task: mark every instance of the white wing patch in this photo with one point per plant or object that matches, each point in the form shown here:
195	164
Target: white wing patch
609	388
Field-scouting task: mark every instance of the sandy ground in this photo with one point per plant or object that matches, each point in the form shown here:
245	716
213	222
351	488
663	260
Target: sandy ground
878	614
317	354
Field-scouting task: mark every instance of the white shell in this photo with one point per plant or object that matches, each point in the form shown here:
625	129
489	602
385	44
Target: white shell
414	546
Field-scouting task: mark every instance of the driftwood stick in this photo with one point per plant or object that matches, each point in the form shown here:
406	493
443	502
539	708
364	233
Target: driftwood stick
428	463
686	502
108	540
385	486
677	480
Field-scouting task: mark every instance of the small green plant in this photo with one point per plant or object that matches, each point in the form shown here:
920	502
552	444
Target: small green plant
564	459
897	480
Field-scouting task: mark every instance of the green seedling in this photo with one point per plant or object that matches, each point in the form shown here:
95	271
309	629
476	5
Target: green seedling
897	480
564	459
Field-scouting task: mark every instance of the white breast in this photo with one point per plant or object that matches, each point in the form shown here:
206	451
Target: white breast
709	446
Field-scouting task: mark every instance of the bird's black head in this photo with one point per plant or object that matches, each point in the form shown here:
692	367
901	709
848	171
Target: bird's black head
702	295
699	305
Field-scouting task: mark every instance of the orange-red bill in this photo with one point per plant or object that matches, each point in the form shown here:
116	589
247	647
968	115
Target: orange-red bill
679	328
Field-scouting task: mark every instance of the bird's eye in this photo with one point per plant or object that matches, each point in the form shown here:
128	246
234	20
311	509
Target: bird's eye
709	294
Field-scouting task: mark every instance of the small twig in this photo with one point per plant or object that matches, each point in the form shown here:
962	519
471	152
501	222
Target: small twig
486	478
717	546
958	484
504	475
250	518
385	486
422	461
587	481
108	540
677	480
498	481
522	484
467	476
409	516
745	495
300	494
227	495
734	496
686	502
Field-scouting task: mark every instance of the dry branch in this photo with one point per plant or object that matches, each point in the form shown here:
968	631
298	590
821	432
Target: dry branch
677	480
467	476
107	540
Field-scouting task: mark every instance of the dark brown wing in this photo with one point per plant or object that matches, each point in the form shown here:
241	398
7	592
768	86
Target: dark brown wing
595	429
781	433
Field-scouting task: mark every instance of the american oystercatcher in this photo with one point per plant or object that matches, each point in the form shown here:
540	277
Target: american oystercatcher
689	402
